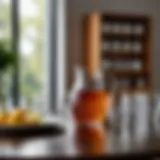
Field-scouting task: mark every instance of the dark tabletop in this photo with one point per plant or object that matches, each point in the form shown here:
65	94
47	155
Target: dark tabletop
125	141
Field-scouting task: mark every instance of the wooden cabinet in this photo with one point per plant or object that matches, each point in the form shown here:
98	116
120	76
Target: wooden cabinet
125	49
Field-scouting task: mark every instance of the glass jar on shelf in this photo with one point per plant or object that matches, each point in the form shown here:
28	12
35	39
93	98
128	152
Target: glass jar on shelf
126	29
116	46
106	46
137	47
140	83
138	29
107	64
127	47
116	28
124	65
137	65
117	65
107	27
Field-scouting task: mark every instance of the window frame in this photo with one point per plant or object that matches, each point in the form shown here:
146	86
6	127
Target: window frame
15	31
55	48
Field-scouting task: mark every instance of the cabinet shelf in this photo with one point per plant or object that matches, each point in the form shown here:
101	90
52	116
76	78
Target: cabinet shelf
128	73
123	37
122	56
125	18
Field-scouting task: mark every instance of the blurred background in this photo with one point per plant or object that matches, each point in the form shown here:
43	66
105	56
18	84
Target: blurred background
25	25
43	46
77	9
130	52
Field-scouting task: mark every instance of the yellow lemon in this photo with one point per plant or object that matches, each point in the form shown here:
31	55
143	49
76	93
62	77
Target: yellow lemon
33	118
3	118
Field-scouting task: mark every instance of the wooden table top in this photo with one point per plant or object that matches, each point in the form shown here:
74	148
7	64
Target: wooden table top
89	141
93	144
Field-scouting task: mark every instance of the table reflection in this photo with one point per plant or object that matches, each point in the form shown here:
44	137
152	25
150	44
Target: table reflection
91	139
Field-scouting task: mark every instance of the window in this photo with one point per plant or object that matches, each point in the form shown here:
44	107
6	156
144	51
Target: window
5	22
5	36
31	50
36	28
30	33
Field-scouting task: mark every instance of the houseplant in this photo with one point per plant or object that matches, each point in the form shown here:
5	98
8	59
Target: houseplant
7	64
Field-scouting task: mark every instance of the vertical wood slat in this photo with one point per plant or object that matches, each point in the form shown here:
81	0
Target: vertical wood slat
91	43
148	51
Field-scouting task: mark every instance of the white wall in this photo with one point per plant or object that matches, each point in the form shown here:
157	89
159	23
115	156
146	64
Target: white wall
77	8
